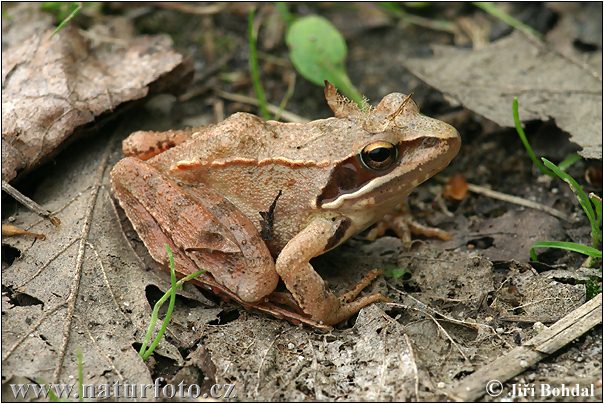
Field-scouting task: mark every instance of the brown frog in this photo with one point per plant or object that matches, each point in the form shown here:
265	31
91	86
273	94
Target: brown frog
305	188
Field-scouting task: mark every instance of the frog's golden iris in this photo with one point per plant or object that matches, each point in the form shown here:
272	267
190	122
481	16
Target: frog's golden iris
379	155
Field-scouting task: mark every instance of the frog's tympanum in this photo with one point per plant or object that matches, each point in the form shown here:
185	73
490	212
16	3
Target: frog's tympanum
252	201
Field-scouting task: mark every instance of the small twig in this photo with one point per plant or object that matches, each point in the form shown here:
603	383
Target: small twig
45	315
50	261
286	115
264	357
477	189
423	308
204	76
537	302
291	84
77	276
441	328
218	109
570	327
517	201
61	209
28	203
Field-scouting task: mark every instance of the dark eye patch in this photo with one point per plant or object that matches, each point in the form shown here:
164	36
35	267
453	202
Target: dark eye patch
351	174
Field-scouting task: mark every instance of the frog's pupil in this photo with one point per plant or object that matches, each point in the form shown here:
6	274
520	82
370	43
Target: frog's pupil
379	154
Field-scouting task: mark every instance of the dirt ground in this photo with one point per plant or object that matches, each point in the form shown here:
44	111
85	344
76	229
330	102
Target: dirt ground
462	304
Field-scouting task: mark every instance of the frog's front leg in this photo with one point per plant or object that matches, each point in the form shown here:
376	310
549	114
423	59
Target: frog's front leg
307	286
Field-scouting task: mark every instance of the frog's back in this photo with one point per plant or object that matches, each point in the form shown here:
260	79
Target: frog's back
250	162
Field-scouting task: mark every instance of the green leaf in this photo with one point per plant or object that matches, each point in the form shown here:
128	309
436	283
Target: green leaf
565	245
396	272
318	52
63	11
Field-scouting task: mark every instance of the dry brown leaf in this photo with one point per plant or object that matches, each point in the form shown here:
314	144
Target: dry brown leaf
547	84
83	289
53	85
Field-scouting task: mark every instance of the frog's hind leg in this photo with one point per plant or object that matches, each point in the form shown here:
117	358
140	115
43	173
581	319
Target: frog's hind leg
202	225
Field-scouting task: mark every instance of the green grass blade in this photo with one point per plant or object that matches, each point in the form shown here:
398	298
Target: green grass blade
395	272
577	189
565	245
492	9
168	315
254	69
80	376
52	396
524	140
283	10
597	202
397	11
145	352
569	161
70	17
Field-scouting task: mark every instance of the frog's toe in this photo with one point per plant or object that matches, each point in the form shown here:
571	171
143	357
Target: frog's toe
404	226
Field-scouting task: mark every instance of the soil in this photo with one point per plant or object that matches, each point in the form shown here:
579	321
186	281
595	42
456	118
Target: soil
463	303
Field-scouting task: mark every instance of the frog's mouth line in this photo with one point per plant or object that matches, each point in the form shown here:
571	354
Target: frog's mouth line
397	182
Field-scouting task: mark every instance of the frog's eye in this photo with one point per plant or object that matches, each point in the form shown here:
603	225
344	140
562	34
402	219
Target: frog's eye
379	156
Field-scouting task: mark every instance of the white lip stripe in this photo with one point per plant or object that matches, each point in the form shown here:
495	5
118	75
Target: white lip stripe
369	187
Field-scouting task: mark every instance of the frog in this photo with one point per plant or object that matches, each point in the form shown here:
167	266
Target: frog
252	201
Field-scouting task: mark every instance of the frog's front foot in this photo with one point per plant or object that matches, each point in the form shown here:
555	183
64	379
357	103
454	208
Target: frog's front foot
401	222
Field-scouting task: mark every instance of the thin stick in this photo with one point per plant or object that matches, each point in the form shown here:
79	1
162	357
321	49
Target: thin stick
571	326
273	109
45	315
258	375
517	201
77	276
29	204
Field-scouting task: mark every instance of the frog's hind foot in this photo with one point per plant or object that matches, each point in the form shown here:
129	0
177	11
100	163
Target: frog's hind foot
356	289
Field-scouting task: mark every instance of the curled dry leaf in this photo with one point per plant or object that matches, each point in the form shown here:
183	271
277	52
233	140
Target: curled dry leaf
55	85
